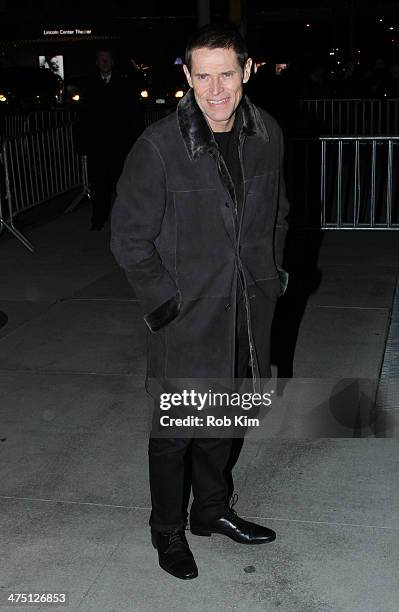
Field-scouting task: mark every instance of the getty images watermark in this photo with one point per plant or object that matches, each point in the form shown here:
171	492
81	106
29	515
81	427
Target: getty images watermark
209	408
199	401
295	408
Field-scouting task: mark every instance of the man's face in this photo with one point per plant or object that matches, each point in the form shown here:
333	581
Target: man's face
104	62
216	78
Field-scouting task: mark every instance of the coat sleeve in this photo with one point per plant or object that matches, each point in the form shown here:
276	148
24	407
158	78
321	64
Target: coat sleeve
135	224
281	228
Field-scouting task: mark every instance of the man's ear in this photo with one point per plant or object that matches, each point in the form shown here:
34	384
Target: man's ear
247	70
188	75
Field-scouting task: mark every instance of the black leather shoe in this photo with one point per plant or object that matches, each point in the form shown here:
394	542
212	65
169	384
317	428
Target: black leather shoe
175	556
236	528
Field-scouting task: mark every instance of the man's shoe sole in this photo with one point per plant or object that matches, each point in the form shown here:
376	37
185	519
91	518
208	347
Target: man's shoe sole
198	531
168	571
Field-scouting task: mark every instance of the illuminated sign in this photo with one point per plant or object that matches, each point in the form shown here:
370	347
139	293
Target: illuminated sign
73	32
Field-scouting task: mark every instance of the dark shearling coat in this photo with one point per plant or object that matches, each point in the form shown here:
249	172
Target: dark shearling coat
175	232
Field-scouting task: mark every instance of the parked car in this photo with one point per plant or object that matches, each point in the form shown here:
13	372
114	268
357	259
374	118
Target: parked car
26	88
164	85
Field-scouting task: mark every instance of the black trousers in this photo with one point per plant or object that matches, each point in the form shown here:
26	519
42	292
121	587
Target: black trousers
205	464
105	167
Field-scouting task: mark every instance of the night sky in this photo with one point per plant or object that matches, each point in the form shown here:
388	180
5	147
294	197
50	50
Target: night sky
281	30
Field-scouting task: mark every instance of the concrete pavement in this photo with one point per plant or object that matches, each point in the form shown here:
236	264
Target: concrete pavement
74	493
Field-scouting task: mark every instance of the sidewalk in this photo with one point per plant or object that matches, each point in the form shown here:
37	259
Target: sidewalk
74	492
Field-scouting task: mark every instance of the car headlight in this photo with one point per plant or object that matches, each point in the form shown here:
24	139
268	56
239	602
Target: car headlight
144	93
179	93
3	98
76	97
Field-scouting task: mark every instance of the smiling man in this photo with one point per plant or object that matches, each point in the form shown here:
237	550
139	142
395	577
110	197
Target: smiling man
199	226
217	77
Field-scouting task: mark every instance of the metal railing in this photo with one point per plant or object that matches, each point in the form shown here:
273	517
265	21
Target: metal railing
359	182
334	182
14	124
35	167
156	112
328	116
352	117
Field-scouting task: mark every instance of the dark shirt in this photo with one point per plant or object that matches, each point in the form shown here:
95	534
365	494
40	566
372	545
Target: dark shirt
228	146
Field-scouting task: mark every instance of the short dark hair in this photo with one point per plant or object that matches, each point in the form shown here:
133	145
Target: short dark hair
217	36
104	50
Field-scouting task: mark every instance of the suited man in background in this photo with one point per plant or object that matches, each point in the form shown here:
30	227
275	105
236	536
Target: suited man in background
109	123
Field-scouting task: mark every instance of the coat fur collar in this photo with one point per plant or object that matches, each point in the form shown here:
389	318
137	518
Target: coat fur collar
198	136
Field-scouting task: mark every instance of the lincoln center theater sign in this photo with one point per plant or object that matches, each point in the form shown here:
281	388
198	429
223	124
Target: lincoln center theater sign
74	32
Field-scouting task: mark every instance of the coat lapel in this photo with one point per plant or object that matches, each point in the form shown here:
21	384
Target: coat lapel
194	129
196	133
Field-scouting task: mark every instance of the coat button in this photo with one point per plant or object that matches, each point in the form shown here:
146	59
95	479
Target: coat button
227	204
227	307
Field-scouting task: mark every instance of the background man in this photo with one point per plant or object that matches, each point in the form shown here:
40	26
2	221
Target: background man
106	132
199	227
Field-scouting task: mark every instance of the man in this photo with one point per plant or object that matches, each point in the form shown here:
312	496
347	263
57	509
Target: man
199	227
106	132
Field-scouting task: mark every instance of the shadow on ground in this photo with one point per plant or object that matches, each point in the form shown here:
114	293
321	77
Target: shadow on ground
301	261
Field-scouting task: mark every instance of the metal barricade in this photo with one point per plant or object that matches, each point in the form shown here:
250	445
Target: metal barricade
14	124
352	117
36	167
157	112
44	119
360	182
